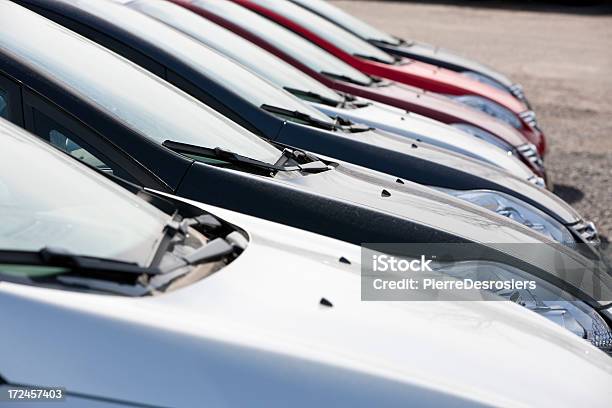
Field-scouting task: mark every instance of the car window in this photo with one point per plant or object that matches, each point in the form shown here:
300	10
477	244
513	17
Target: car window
330	32
49	199
235	47
60	137
133	96
3	104
285	40
344	19
66	144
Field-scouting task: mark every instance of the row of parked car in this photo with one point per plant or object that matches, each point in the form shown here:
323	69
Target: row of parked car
185	185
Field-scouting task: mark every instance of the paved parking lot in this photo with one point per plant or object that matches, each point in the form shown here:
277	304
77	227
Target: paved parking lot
564	61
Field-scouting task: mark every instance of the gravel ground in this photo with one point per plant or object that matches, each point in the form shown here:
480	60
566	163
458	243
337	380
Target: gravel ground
564	61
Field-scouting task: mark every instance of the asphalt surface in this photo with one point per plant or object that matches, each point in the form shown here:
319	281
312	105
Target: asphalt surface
564	61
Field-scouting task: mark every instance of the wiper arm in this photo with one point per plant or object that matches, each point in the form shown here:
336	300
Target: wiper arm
180	228
223	155
60	257
345	78
235	158
309	163
375	59
401	41
339	124
314	96
351	127
299	116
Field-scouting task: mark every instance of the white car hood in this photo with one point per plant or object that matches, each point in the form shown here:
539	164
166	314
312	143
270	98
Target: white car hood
414	126
256	334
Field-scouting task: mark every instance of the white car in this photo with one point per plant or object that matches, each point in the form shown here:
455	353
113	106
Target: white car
109	301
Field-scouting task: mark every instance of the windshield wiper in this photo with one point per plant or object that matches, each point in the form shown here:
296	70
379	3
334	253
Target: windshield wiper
396	43
339	123
299	116
375	59
404	42
239	160
345	78
314	96
172	228
351	127
351	102
77	269
176	230
80	265
308	162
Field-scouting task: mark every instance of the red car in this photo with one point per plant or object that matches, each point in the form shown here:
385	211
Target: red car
336	74
369	59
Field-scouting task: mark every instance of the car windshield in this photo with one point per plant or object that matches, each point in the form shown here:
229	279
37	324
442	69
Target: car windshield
283	39
233	46
205	60
144	102
344	19
48	199
330	32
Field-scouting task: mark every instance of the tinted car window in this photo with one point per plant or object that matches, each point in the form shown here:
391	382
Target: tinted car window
60	137
63	142
329	31
3	104
132	95
49	199
229	44
343	19
285	40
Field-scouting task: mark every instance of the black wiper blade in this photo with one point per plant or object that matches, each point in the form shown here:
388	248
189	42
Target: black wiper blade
345	78
221	154
80	265
63	258
315	96
299	116
235	158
